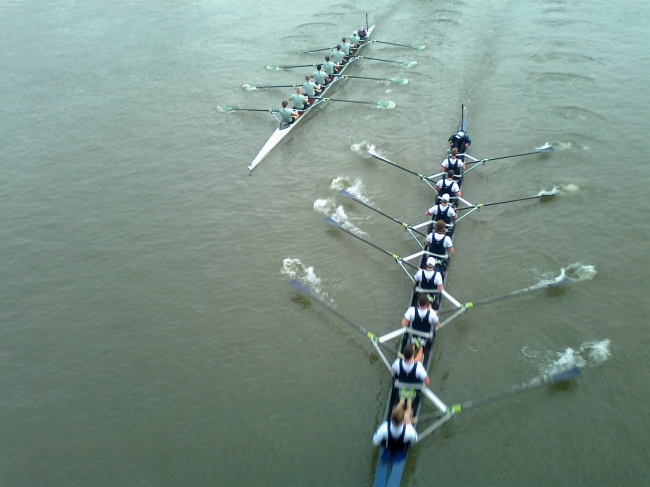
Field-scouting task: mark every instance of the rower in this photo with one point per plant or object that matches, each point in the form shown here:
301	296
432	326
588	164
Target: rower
429	278
453	162
288	115
447	185
299	100
337	57
442	211
320	76
345	47
328	67
423	319
354	42
397	434
310	87
461	141
362	33
437	242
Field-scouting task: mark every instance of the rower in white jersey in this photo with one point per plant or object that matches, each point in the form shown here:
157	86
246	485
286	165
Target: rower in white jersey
437	242
423	319
447	186
328	67
453	162
319	76
442	211
409	371
299	100
309	87
398	434
429	278
337	57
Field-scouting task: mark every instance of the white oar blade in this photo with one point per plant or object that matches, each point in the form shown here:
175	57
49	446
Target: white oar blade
248	87
545	148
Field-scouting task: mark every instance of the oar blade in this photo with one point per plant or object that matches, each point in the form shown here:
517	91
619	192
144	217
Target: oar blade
410	64
300	287
419	48
399	81
566	375
545	148
224	109
332	222
347	195
271	67
248	87
386	105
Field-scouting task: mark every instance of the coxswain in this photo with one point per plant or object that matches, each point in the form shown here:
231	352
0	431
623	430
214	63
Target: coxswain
299	100
442	211
362	33
447	185
453	162
429	278
397	434
461	141
337	57
320	76
328	67
437	242
310	87
288	115
423	319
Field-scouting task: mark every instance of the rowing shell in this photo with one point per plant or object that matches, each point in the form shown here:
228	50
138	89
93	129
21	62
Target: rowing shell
283	130
390	466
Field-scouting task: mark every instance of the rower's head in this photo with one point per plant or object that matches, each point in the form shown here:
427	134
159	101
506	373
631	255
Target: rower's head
441	226
461	133
397	416
344	40
407	351
423	300
285	104
450	174
444	199
338	48
431	263
307	77
327	58
454	152
318	67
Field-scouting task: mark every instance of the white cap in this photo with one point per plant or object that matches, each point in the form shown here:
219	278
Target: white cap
445	197
461	133
431	262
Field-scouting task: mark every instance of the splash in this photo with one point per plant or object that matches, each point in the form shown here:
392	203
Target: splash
570	188
354	187
562	145
386	105
578	272
296	270
325	207
361	146
555	190
337	213
590	354
248	87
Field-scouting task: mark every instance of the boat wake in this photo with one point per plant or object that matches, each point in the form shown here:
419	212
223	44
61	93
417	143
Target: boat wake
590	354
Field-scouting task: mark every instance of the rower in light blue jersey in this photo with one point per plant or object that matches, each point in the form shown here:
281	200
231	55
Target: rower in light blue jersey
298	99
328	67
320	76
288	115
354	42
345	46
309	87
338	55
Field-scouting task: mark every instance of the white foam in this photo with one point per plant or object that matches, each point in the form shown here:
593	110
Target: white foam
570	188
361	146
296	270
549	192
324	206
590	354
579	272
340	216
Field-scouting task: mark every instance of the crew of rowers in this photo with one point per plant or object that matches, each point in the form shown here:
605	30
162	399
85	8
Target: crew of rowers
303	98
398	434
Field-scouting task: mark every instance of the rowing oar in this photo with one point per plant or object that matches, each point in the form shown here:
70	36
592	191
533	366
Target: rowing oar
546	148
280	68
408	64
395	81
557	282
225	109
397	258
536	383
417	48
405	225
481	205
316	50
248	87
424	178
386	105
374	339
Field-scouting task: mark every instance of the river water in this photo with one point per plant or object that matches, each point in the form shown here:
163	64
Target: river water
148	334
